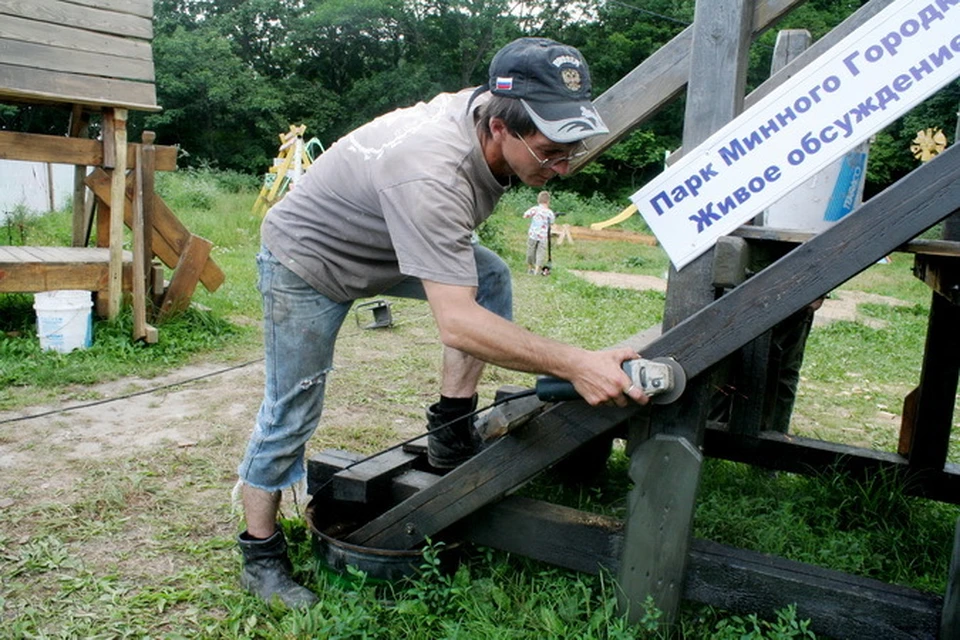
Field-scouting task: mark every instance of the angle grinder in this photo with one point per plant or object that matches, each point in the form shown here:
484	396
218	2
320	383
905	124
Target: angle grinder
661	379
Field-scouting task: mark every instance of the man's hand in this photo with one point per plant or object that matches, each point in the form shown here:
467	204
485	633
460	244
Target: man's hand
600	378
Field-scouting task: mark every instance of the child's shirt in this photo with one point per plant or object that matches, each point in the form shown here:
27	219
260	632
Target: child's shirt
541	219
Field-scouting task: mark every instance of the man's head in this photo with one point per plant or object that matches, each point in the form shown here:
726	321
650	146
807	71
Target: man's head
552	83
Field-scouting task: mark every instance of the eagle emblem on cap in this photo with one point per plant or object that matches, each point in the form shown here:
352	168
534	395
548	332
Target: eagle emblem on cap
571	78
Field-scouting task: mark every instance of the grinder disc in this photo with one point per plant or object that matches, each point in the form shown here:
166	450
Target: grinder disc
679	382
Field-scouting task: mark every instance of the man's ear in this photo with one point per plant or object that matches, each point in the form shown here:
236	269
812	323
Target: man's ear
498	129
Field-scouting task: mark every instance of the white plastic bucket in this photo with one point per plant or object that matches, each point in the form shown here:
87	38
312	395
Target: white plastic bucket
64	320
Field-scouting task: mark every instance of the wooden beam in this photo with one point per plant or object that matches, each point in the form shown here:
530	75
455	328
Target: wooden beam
859	240
148	155
141	330
118	184
717	80
640	94
796	454
488	476
35	147
186	275
32	269
39	85
171	236
79	128
839	605
659	526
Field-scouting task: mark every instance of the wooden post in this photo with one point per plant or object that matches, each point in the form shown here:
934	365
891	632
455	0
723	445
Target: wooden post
715	91
756	377
141	330
928	409
118	143
79	127
51	196
148	161
653	550
950	620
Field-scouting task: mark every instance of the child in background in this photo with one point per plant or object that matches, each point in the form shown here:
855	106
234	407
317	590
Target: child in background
541	217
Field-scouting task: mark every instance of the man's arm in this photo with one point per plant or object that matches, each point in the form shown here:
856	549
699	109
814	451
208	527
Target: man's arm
466	326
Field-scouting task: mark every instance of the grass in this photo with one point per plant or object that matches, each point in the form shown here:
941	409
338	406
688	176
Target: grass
139	542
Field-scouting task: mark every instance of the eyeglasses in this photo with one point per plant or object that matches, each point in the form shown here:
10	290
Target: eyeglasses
552	162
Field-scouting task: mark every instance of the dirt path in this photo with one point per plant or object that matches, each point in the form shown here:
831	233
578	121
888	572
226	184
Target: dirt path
841	305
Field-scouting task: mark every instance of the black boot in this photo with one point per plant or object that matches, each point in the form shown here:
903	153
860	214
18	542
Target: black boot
266	571
451	445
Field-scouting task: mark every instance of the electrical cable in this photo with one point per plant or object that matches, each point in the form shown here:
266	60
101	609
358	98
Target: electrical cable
134	394
495	403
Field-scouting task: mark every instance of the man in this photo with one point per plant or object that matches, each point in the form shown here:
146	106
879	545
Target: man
390	210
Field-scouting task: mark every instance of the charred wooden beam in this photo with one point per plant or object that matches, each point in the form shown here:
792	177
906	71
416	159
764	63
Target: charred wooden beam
838	604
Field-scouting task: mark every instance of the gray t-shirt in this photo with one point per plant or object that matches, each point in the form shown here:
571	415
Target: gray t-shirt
397	197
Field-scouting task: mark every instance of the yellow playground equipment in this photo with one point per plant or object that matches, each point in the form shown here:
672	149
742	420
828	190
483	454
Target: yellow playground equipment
292	160
617	219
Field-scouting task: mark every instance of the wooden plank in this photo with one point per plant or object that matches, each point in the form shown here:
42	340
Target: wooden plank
149	161
322	466
369	481
551	533
796	454
185	276
142	8
488	476
859	240
839	605
73	38
139	275
91	18
616	235
38	85
666	474
44	57
662	76
79	128
945	248
170	237
35	147
118	183
32	269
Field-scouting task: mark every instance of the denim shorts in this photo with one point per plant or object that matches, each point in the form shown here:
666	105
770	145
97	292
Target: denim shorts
300	331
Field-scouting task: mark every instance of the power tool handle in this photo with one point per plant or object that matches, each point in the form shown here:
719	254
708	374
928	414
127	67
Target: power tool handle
550	389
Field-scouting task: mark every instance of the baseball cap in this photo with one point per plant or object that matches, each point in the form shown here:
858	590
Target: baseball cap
552	82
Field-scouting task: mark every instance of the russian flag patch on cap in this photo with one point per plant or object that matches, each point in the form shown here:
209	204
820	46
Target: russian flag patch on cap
504	84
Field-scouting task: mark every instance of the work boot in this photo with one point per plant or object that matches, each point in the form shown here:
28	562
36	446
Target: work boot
266	571
451	445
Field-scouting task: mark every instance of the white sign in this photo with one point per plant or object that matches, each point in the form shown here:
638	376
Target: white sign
869	79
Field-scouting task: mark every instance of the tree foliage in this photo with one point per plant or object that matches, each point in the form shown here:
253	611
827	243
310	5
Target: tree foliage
233	74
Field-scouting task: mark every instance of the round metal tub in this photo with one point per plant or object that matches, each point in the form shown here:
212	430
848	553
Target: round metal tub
331	521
